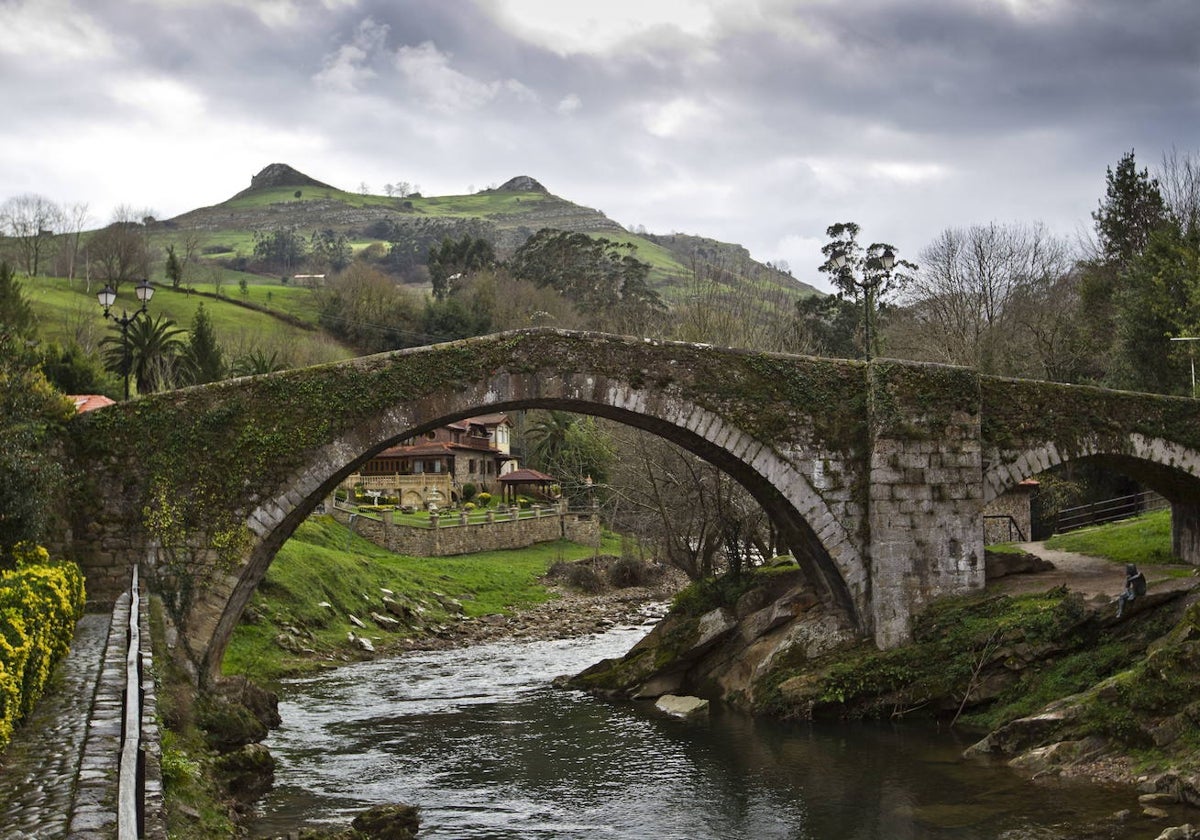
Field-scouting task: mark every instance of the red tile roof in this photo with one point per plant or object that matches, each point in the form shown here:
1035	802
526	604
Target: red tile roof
89	402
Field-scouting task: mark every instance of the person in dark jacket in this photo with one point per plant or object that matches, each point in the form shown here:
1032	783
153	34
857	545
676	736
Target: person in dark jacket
1135	585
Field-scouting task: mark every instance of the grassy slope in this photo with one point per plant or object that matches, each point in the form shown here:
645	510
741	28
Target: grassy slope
64	309
323	561
1141	539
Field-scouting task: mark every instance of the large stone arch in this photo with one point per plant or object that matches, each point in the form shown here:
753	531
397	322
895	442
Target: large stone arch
780	480
1167	467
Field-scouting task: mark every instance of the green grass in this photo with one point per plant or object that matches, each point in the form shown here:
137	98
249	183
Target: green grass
68	311
323	561
1142	539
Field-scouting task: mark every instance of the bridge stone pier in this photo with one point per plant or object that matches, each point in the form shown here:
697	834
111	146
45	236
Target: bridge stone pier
875	474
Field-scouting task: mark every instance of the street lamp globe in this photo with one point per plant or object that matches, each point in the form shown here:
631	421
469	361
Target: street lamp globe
107	297
145	291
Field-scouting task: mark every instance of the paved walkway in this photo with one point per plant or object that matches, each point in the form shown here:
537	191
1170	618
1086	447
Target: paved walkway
1091	576
44	781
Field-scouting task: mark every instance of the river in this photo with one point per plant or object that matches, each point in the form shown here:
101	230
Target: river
479	740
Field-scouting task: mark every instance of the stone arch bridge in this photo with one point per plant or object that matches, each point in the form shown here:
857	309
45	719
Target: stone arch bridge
876	474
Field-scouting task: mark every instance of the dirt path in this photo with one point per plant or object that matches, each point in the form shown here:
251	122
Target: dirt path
1091	576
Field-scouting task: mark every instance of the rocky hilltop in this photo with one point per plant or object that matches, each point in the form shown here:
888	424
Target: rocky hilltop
280	175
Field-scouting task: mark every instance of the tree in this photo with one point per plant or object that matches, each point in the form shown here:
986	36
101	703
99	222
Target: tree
454	260
962	303
32	417
257	361
330	250
1157	299
570	447
693	512
30	220
203	359
363	306
75	220
281	248
16	315
867	278
173	269
120	252
1131	210
605	281
154	346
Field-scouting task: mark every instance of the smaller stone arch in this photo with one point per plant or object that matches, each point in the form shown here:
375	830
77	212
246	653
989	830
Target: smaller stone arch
1165	466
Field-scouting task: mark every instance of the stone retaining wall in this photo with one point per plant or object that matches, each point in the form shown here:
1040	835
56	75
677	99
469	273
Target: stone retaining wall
450	539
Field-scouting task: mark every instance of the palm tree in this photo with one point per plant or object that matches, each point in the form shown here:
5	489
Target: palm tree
548	437
257	361
154	346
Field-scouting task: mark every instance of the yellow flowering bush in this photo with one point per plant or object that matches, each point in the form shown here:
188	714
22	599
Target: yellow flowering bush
40	603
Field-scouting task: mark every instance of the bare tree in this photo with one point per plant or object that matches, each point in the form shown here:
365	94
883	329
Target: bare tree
962	302
120	251
700	519
75	220
1179	183
30	220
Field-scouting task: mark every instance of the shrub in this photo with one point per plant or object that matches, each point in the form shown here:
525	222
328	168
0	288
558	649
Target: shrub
469	506
40	603
627	571
484	499
468	491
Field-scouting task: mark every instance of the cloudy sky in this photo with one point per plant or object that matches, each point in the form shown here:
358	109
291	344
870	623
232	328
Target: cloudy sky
760	122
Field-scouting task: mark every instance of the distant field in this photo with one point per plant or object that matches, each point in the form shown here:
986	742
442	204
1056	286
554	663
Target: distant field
70	312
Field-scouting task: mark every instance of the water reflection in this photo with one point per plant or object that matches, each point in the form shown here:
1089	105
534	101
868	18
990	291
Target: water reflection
478	740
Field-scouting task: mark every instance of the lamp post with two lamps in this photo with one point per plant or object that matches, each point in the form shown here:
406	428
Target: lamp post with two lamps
107	298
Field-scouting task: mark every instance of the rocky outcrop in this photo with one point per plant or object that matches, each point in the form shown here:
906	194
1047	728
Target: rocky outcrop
521	183
280	175
724	652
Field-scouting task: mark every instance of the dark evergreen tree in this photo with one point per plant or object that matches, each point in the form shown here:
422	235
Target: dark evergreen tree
174	269
1131	210
204	361
605	281
454	259
16	315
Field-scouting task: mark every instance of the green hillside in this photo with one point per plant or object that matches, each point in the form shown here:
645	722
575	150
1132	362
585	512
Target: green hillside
279	197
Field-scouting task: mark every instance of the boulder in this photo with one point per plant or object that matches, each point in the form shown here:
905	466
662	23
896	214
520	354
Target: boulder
263	704
385	621
682	706
227	725
388	822
248	772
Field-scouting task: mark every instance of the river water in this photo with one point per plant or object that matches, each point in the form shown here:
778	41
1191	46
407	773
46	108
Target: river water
479	740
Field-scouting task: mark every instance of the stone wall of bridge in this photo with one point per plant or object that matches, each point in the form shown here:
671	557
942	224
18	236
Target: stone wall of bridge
875	475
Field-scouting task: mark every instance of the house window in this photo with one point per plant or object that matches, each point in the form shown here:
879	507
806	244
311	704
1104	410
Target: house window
471	466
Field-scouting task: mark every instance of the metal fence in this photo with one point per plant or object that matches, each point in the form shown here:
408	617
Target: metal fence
1109	510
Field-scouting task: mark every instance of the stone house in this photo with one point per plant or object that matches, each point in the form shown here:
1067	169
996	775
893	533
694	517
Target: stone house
433	468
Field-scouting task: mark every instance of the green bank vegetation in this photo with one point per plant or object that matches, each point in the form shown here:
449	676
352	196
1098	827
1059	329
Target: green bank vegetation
324	563
1140	539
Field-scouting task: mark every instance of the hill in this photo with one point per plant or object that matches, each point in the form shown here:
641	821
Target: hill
280	197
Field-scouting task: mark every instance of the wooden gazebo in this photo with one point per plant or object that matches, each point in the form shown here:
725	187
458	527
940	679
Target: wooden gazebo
538	482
